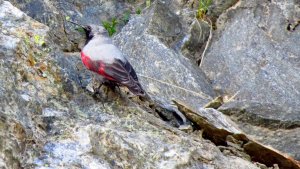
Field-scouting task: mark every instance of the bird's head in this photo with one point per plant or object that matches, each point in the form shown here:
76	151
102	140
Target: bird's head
95	30
92	30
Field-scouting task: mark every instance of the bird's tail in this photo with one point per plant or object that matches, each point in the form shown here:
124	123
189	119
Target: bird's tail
164	110
137	89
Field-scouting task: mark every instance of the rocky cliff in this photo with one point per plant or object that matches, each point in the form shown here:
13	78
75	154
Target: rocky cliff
230	77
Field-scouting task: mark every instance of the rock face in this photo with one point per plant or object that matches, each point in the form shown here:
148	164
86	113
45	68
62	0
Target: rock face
55	13
162	71
47	120
20	100
254	55
52	117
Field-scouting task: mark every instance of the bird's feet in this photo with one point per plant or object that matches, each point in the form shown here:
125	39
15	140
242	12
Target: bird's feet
105	90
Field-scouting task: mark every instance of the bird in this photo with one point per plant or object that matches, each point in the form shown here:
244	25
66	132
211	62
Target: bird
102	56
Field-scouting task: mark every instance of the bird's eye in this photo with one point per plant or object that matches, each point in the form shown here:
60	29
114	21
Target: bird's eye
88	28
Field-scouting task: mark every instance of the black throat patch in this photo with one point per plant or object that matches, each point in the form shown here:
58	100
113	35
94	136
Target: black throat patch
89	36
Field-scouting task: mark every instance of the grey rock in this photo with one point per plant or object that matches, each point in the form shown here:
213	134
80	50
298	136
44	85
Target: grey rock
195	40
176	25
12	136
215	8
160	21
266	115
254	58
163	72
164	23
222	131
283	138
219	120
135	148
55	13
49	120
218	7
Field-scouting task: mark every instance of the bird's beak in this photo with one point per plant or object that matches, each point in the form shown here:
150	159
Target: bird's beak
78	24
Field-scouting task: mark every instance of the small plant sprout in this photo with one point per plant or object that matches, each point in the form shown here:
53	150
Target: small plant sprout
203	8
126	17
148	3
80	29
68	18
110	26
138	11
39	40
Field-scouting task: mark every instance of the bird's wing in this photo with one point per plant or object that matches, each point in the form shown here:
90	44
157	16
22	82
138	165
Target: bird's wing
121	72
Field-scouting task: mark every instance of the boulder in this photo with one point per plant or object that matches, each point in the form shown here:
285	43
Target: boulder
50	117
55	14
254	57
164	73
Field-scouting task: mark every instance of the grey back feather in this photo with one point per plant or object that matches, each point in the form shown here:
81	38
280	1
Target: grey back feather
102	48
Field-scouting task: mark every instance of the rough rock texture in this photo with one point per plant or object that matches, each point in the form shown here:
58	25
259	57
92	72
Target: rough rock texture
48	121
12	139
55	13
222	131
51	117
20	100
254	56
175	24
194	43
168	71
218	7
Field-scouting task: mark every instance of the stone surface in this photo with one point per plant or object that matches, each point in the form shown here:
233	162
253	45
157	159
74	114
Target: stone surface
20	124
218	7
51	116
140	145
48	120
223	131
195	41
160	19
55	13
163	72
163	23
275	137
254	58
12	141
